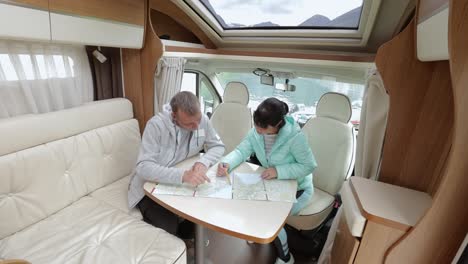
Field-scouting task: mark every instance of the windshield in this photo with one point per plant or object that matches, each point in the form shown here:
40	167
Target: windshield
303	101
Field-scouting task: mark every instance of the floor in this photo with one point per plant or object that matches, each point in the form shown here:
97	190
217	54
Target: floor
226	250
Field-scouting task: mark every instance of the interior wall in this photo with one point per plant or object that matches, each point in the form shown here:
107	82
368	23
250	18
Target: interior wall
170	9
438	236
139	67
41	4
420	120
131	66
167	28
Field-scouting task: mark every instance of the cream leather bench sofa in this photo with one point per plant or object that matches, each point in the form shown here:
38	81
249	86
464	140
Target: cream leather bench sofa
63	189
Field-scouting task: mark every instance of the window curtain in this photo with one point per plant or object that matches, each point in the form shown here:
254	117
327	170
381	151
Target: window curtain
372	128
167	80
107	75
40	77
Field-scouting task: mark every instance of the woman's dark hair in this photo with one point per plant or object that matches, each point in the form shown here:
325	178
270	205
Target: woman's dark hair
270	112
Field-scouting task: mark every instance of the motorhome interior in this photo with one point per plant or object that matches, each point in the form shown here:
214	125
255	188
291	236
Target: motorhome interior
377	88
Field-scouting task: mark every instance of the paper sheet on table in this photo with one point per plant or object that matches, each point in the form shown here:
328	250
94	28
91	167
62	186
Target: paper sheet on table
245	186
218	187
248	186
278	191
247	178
171	189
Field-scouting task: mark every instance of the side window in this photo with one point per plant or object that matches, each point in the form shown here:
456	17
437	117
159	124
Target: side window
201	86
208	96
189	82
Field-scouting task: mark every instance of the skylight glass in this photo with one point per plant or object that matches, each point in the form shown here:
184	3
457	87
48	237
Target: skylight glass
287	14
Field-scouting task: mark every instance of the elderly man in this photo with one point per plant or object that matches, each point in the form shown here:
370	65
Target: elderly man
179	132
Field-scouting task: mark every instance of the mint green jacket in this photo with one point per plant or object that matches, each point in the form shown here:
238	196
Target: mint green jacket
290	155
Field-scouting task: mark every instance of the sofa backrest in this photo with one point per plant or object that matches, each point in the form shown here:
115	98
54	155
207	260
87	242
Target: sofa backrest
48	161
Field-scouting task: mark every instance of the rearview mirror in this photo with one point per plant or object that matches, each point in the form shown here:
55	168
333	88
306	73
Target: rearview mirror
267	79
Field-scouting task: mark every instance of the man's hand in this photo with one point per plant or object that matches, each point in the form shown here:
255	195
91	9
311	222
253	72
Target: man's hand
269	174
199	167
195	178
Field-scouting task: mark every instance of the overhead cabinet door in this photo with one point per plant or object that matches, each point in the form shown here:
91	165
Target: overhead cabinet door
25	20
103	23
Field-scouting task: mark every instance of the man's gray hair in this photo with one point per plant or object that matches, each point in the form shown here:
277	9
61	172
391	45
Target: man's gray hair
186	102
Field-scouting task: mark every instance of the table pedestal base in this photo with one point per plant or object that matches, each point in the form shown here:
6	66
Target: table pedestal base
200	244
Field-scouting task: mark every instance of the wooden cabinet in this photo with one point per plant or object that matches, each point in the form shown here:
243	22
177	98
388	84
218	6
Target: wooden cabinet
36	4
125	11
21	20
113	23
345	246
390	212
376	240
101	23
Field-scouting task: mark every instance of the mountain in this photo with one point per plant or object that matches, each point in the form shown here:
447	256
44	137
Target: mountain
236	25
349	19
266	24
315	21
208	5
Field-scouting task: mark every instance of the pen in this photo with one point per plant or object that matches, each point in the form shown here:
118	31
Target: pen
225	165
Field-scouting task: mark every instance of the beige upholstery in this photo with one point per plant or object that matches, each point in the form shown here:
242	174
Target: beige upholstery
63	189
334	106
236	92
115	194
232	119
17	131
354	218
332	140
310	217
90	231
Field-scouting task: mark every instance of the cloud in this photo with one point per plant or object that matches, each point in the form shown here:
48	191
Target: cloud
268	6
276	9
232	3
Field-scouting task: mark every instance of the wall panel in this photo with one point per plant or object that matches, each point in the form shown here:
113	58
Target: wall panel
420	120
439	234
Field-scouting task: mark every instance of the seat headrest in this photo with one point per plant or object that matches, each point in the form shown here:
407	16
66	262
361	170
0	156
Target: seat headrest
335	106
236	92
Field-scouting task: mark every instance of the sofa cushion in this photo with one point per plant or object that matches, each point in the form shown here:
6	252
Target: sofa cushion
27	131
41	180
91	231
115	194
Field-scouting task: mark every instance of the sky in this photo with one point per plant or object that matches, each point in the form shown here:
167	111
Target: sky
282	12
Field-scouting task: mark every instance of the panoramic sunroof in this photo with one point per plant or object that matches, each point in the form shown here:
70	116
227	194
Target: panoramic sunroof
285	14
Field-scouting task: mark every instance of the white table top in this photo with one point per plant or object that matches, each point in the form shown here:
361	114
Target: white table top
388	204
258	221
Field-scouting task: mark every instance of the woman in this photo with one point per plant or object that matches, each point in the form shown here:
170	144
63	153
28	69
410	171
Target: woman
282	148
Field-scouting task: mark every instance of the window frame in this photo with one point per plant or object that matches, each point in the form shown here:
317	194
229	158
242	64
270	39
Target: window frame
282	27
211	86
334	37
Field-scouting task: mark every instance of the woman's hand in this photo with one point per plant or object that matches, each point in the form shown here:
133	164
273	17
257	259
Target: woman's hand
222	169
269	174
